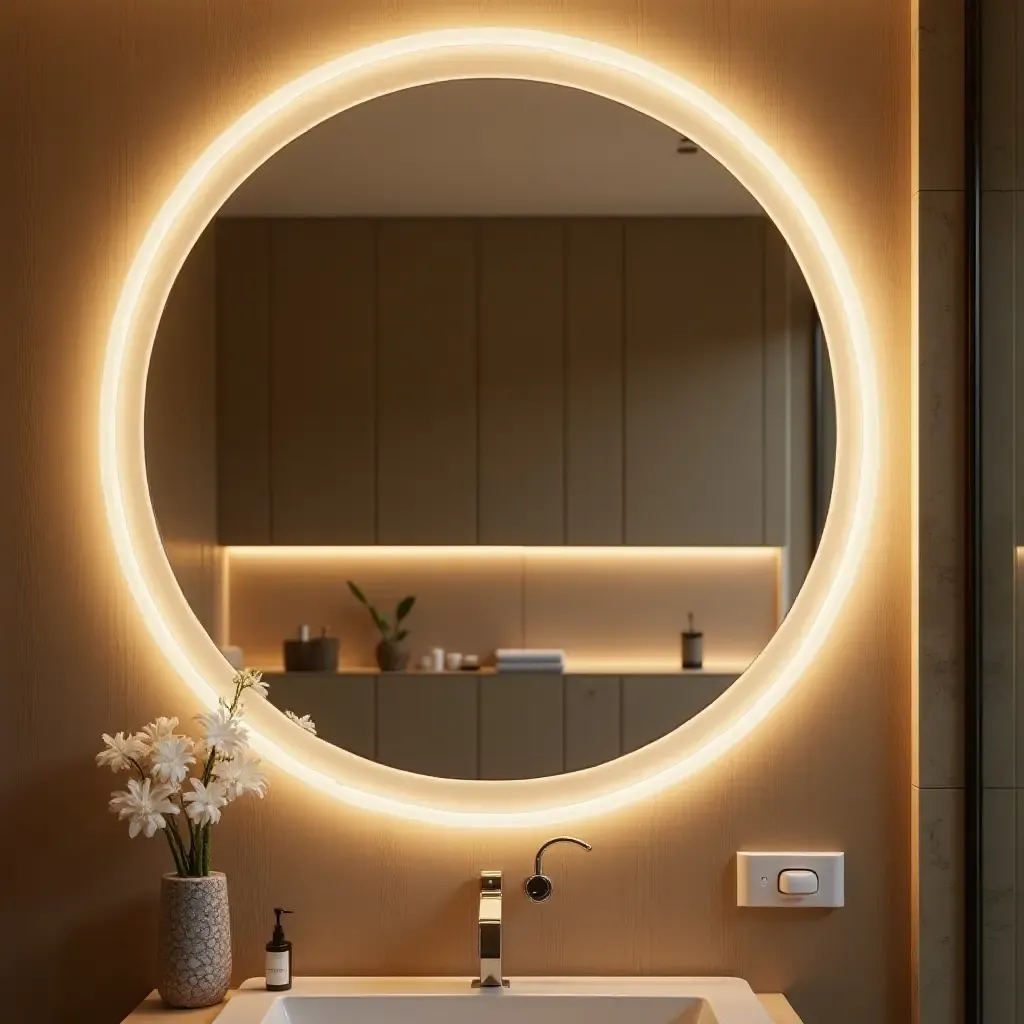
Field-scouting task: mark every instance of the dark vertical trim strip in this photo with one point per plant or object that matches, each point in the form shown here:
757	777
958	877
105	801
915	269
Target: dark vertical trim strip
622	715
623	383
375	235
271	244
478	272
765	329
479	727
564	235
973	903
565	721
376	716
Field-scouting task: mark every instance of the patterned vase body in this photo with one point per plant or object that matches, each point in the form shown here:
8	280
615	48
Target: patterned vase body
195	940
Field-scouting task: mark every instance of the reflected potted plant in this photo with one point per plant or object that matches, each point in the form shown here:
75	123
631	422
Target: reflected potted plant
180	787
391	656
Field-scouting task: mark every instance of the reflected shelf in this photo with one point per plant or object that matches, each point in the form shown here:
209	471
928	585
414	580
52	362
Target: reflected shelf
621	669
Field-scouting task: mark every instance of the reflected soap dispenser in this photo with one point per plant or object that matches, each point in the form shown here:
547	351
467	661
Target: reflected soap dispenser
693	647
279	957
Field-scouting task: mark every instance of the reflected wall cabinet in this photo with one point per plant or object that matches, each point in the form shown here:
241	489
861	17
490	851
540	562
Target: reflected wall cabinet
509	381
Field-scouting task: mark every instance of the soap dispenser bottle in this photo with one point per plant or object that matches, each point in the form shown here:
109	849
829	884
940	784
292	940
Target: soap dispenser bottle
693	647
279	957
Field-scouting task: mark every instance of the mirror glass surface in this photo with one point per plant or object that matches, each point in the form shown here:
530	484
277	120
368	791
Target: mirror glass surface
521	353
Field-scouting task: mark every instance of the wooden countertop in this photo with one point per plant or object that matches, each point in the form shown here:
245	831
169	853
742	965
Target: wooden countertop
154	1010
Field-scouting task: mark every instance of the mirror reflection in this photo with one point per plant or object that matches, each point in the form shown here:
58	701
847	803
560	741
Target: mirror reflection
492	421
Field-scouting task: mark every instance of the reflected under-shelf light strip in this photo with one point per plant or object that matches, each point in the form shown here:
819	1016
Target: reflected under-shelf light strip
622	552
181	643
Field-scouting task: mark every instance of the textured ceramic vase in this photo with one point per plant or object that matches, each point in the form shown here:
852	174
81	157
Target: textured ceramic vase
195	940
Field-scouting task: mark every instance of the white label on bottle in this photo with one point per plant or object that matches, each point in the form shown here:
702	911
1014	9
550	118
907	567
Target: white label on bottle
278	968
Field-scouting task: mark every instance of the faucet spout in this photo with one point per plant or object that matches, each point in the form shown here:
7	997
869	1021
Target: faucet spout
490	931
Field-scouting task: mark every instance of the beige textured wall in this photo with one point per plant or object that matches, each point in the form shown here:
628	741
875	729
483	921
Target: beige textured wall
107	104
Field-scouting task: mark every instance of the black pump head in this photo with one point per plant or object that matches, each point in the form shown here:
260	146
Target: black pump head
278	930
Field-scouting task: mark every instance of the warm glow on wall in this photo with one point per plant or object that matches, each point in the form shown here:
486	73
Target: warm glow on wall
562	60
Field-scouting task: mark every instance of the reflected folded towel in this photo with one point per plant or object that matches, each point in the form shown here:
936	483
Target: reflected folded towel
554	667
530	654
514	659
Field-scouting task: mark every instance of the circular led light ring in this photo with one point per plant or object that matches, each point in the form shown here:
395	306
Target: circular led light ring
616	75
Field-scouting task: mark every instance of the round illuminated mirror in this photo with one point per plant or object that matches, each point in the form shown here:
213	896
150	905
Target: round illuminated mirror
527	356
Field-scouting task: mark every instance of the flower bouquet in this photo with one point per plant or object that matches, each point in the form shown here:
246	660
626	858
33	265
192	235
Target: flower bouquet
178	779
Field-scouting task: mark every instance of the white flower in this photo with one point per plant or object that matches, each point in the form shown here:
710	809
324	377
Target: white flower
161	729
305	722
144	805
121	751
205	803
170	759
250	679
224	732
241	775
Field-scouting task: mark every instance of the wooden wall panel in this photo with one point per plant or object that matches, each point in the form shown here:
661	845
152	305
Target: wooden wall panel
476	433
652	706
514	725
93	152
594	305
429	724
694	381
181	432
521	383
521	731
243	382
593	720
427	382
322	415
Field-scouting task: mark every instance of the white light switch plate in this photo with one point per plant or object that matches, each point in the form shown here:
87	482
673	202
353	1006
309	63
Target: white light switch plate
757	879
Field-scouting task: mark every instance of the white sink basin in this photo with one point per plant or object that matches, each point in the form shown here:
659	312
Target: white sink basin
526	1001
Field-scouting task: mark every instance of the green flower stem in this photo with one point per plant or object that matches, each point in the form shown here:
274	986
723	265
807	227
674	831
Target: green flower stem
206	850
191	846
182	855
174	851
208	767
172	835
171	828
185	854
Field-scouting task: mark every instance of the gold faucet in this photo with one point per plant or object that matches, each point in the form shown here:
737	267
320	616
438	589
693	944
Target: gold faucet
538	888
490	931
